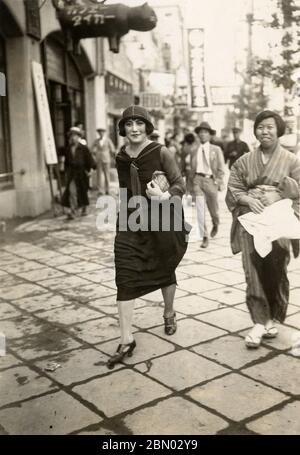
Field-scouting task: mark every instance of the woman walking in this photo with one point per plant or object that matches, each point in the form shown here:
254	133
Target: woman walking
257	180
146	259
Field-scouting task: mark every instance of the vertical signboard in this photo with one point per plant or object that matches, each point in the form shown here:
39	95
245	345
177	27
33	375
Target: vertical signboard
44	113
199	93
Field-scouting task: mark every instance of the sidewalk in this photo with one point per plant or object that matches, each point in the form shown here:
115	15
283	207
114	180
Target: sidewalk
58	312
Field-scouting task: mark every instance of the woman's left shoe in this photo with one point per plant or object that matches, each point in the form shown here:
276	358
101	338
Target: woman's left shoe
270	332
170	324
254	337
122	351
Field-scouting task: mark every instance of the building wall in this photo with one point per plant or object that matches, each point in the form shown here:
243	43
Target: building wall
30	195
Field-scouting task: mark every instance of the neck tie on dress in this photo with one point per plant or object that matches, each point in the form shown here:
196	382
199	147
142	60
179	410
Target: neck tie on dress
135	180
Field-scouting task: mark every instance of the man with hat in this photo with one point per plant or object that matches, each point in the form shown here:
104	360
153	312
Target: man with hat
236	148
102	150
207	171
78	163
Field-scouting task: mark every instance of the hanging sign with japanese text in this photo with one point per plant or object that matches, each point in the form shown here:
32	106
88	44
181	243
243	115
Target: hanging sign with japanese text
199	93
44	113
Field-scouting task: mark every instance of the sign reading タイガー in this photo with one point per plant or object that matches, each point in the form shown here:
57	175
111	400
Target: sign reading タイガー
199	93
44	113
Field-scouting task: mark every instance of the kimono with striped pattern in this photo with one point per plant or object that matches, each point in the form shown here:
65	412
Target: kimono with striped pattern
267	291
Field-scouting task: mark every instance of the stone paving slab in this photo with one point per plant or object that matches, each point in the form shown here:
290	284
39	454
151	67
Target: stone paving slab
228	319
8	361
88	292
42	302
174	416
106	304
72	314
282	372
39	254
198	269
10	281
98	330
54	414
8	259
194	304
149	316
190	332
226	295
65	283
61	259
121	391
230	263
76	366
228	278
295	297
20	291
8	311
156	296
22	326
148	347
250	397
284	421
78	267
111	285
294	320
231	351
200	257
19	383
17	246
21	266
294	279
46	343
183	369
100	275
199	285
43	273
75	249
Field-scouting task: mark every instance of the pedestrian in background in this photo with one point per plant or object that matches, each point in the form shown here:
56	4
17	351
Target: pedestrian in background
78	164
102	149
146	260
189	148
207	171
236	148
80	125
257	180
154	136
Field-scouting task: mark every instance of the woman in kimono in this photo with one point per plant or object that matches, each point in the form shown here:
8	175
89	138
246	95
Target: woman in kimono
145	257
258	179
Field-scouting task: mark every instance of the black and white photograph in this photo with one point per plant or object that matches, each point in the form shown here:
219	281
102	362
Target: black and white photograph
149	220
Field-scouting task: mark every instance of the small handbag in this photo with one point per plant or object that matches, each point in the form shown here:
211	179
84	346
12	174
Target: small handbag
159	177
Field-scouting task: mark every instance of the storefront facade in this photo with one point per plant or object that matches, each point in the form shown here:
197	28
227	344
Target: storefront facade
76	87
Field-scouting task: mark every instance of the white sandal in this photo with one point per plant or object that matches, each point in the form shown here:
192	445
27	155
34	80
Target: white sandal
254	337
271	332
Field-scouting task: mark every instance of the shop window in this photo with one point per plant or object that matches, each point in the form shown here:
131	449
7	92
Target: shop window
5	156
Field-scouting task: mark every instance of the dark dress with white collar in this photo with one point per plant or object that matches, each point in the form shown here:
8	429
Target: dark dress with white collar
146	258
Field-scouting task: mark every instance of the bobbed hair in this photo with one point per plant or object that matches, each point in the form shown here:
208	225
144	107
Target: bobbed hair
135	112
280	123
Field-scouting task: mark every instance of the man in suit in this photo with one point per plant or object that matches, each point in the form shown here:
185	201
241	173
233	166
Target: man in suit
207	170
102	150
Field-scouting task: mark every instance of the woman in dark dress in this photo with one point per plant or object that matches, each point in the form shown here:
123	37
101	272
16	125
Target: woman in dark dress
146	257
78	163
